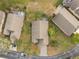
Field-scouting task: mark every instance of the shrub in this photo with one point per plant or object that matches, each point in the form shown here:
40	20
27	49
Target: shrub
54	43
75	38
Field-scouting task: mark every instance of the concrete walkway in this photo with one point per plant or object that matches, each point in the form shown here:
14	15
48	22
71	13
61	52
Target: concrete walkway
43	50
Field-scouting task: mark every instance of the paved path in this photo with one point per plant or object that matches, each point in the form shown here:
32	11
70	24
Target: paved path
43	50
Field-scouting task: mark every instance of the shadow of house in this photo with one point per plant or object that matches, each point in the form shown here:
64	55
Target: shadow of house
2	19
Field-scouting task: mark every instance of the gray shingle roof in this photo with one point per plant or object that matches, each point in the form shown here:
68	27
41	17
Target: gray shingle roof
73	4
40	31
14	25
65	21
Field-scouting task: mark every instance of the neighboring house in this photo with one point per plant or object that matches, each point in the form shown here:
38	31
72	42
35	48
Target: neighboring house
66	3
40	35
2	18
73	6
65	21
13	26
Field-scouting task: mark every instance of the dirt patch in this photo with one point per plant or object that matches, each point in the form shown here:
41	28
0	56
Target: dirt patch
46	7
53	51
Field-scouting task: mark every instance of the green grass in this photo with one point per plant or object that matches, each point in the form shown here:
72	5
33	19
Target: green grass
4	44
58	38
76	57
58	2
4	4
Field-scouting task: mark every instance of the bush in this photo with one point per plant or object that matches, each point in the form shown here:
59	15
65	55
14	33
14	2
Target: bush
75	39
52	31
54	43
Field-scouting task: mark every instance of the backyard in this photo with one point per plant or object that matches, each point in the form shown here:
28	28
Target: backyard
37	9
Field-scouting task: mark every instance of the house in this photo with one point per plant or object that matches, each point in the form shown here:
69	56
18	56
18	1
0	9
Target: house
13	25
73	5
65	21
66	3
40	31
40	35
2	18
